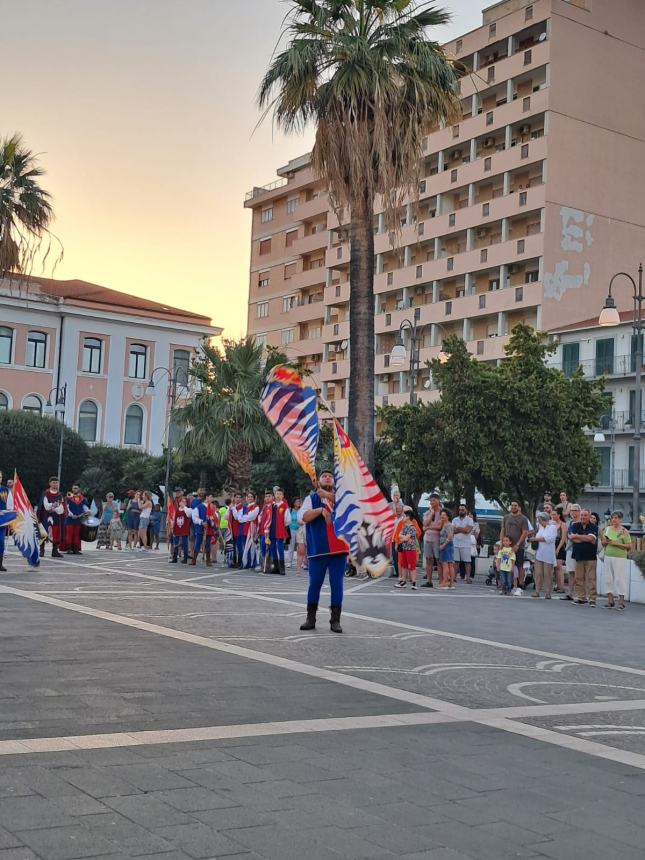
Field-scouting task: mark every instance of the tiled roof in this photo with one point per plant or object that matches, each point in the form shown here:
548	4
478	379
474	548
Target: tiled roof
625	317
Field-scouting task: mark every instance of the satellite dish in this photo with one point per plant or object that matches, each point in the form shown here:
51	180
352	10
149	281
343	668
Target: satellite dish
344	344
542	37
138	391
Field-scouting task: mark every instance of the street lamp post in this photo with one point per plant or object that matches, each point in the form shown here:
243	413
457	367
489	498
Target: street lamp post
609	316
399	353
173	386
57	410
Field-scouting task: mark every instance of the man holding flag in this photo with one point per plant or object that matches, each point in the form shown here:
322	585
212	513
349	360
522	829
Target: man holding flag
325	551
6	506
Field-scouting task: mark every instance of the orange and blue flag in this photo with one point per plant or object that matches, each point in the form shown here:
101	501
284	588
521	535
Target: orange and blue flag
24	529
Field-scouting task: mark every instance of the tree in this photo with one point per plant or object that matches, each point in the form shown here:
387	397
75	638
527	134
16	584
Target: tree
224	419
29	444
367	75
25	207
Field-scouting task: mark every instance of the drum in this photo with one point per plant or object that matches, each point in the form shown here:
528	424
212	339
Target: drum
89	529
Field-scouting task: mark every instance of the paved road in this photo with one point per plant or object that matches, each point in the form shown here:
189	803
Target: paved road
159	711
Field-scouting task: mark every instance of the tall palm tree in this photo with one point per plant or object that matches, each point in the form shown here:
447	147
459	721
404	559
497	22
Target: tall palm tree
368	76
25	207
225	418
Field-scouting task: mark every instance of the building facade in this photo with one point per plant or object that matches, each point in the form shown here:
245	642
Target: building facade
101	348
525	207
608	353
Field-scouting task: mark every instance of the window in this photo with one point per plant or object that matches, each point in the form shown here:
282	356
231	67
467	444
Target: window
493	285
519	294
181	366
492	29
483	255
260	339
422	187
390	278
482	301
487	164
525	150
263	310
337	292
292	205
448	308
288	302
451	219
419	271
489	118
4	402
290	237
339	252
520	246
528	57
421	228
570	358
604	356
526	103
634	343
522	198
32	403
491	74
450	264
264	279
335	330
528	13
133	425
604	473
290	270
88	414
532	277
480	347
455	130
265	246
267	215
92	354
458	45
36	349
453	175
138	361
486	209
6	344
286	336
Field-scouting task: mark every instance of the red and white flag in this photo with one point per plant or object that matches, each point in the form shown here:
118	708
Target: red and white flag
24	528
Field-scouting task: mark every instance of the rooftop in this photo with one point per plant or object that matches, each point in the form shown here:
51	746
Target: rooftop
625	317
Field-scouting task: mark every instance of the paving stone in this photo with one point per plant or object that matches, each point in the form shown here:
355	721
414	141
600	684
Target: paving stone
8	840
18	854
193	799
399	840
580	843
242	816
132	839
147	811
21	813
198	840
97	782
281	843
149	777
347	843
65	843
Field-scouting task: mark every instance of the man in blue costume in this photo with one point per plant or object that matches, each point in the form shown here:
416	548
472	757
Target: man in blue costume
5	505
325	551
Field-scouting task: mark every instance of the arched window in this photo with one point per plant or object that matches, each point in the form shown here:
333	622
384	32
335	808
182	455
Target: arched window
4	402
137	363
88	415
6	344
92	354
133	425
180	365
32	403
36	349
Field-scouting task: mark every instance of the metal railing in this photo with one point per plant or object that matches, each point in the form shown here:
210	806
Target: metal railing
258	190
623	480
619	365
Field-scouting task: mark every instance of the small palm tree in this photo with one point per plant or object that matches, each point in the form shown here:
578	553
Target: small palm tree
25	208
368	76
225	418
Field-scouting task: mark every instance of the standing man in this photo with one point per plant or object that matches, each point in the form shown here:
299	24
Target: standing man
278	525
462	526
584	537
51	513
235	528
564	506
77	507
181	530
326	552
6	504
431	529
199	516
249	529
264	528
516	526
570	561
223	527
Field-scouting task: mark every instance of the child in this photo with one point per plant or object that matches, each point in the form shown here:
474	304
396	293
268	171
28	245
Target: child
505	564
407	536
155	525
446	552
115	529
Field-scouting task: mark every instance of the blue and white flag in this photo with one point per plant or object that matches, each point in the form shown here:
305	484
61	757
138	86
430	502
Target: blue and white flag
24	529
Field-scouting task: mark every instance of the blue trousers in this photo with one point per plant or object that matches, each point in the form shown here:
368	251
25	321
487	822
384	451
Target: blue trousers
277	549
2	534
199	537
318	567
180	541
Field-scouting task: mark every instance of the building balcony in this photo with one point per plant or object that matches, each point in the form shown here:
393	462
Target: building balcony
313	242
331	298
336	331
337	256
304	347
623	480
335	369
592	368
310	208
305	312
507	67
308	278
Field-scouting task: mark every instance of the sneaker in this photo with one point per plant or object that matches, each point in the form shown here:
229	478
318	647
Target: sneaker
413	586
443	588
518	592
592	603
566	597
399	584
452	587
547	597
426	585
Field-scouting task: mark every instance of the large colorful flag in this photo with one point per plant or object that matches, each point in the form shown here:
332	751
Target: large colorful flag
290	406
25	535
362	515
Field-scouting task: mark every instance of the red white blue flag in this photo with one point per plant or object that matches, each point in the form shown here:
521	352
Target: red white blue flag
24	528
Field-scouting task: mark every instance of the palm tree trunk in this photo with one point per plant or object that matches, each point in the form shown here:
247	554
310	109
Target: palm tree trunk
361	329
238	466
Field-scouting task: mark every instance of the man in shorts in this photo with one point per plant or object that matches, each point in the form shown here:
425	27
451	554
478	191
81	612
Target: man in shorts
462	526
431	529
516	526
570	562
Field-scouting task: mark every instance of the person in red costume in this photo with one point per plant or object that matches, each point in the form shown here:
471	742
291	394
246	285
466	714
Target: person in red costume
51	513
181	529
77	508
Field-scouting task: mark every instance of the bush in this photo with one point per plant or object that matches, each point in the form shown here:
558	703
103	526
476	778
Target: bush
29	444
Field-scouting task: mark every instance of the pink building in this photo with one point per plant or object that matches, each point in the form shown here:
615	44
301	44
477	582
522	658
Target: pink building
104	347
526	207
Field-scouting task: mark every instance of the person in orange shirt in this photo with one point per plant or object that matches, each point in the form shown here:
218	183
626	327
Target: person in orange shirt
406	539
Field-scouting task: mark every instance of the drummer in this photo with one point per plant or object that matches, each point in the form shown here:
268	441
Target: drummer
77	508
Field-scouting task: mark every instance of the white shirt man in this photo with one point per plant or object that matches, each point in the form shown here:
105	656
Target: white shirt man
462	527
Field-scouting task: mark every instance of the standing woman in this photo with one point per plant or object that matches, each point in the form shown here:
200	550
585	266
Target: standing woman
560	548
103	534
617	543
398	520
132	514
446	552
144	519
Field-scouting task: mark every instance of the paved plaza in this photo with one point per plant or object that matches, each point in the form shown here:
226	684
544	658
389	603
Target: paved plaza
160	711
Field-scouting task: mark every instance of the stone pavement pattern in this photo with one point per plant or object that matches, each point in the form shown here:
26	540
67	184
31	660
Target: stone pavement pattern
155	711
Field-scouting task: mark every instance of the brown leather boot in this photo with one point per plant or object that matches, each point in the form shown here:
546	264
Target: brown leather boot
209	563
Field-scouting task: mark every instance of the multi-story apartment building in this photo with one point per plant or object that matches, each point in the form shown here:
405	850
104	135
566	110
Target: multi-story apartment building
101	347
608	353
525	207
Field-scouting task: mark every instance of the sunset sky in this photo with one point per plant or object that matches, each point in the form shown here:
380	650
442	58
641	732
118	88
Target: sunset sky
144	113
